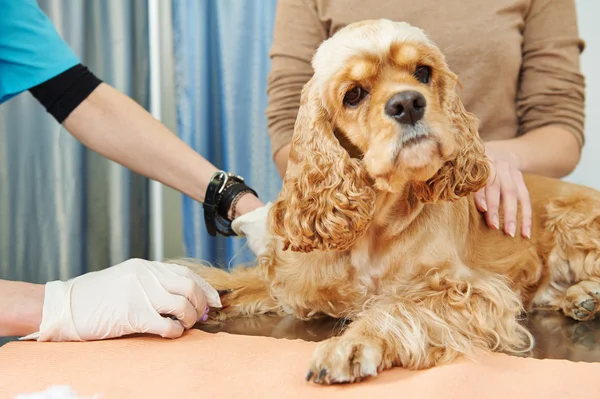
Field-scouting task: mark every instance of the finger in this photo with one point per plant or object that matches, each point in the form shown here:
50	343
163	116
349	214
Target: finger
508	195
180	308
210	295
525	202
492	198
480	202
186	290
165	327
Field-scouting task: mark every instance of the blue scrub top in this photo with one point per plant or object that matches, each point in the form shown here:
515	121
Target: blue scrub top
31	50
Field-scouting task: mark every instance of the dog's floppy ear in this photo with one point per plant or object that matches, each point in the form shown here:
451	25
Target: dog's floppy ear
327	200
467	169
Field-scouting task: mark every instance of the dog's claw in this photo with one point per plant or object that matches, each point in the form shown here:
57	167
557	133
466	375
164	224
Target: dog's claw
322	374
309	375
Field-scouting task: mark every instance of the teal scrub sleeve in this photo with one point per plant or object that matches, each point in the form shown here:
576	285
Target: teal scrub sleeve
31	50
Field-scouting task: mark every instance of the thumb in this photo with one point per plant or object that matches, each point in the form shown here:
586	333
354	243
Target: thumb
166	327
213	298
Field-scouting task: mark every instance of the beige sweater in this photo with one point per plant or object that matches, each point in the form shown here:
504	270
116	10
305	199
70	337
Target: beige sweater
518	60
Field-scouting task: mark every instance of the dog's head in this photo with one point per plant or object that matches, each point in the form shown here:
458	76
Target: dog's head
381	113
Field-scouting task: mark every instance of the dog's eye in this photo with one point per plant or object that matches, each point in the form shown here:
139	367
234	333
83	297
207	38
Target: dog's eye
354	96
423	74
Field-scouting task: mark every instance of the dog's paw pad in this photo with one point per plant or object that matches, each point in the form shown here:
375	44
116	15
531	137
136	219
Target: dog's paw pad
584	308
581	314
343	360
582	301
588	304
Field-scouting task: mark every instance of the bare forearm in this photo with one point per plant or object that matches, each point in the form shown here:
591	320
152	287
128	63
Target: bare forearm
550	151
21	307
117	128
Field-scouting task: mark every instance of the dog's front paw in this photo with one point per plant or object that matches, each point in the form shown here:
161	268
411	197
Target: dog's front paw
582	301
345	359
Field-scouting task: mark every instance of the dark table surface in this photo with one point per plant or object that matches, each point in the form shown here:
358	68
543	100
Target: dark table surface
557	337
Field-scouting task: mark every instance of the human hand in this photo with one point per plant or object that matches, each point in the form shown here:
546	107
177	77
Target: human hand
136	296
506	185
253	225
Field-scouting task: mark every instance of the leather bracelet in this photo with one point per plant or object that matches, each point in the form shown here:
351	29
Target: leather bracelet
221	193
233	192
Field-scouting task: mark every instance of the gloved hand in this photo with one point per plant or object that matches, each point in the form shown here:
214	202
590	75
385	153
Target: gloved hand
253	225
136	296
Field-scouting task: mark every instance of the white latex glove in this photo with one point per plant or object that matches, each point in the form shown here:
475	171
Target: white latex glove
253	226
131	297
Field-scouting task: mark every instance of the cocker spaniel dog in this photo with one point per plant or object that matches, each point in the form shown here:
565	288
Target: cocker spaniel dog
376	222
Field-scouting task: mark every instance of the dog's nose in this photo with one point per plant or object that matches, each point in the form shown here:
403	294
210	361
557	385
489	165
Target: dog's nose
407	107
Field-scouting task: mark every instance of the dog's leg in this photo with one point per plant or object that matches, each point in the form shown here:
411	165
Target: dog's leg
433	323
582	301
572	228
243	290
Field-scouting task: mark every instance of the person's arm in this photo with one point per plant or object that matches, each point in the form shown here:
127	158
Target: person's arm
551	96
550	151
297	33
20	308
551	112
119	129
101	117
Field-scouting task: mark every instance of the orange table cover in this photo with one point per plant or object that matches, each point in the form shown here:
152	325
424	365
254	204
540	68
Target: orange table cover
203	365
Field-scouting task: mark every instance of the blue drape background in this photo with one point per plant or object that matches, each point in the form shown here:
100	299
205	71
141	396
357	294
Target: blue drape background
221	52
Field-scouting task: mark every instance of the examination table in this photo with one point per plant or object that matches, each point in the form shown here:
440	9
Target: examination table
267	357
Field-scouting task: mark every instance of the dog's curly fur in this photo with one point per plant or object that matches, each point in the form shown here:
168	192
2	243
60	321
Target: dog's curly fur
376	223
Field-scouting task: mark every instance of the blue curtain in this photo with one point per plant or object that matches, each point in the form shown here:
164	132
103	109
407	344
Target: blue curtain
221	52
64	210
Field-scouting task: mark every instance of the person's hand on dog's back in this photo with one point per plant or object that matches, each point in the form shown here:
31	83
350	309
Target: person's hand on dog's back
506	188
136	296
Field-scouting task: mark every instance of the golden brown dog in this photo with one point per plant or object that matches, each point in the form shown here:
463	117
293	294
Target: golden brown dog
376	221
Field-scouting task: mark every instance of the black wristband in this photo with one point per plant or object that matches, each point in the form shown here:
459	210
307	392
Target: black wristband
230	194
223	190
64	92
